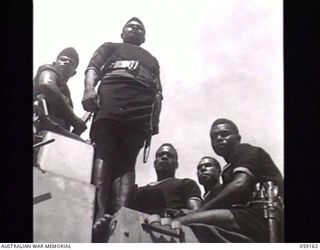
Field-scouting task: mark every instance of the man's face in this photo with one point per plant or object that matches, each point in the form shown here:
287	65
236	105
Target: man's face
166	160
133	32
66	65
223	139
208	172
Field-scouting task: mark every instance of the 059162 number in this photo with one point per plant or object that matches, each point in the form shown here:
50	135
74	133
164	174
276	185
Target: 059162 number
309	245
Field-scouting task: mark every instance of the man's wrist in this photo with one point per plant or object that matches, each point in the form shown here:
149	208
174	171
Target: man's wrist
73	119
89	89
200	209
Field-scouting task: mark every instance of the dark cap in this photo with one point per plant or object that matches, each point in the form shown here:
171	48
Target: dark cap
70	52
137	20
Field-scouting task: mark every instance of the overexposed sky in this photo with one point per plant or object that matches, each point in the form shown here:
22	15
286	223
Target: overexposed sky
217	59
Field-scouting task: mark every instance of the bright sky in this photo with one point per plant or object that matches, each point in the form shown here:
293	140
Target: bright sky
217	59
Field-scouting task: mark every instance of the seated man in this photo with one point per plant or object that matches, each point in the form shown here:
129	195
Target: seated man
168	195
209	172
234	208
50	85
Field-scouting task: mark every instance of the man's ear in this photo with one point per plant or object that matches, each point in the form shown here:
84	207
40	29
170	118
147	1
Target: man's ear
239	138
143	40
72	74
177	165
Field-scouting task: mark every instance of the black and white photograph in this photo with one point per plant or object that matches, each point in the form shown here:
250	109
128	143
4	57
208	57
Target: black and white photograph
158	121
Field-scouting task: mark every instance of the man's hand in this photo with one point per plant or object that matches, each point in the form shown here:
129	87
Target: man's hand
90	100
176	213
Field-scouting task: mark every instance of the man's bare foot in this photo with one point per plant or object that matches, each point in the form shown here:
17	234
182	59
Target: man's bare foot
100	228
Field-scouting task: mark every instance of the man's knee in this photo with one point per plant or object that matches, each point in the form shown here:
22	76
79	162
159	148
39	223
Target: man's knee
216	217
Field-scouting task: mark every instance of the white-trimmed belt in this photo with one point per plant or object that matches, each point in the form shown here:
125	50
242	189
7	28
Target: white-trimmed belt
124	64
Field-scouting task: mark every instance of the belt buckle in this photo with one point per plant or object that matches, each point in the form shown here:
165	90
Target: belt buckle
133	65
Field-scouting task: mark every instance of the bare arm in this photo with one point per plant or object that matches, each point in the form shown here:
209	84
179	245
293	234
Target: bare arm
193	203
93	74
48	86
90	97
231	193
157	108
91	80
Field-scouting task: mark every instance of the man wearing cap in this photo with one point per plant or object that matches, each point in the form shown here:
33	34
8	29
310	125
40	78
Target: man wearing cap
237	207
50	83
209	172
127	107
168	196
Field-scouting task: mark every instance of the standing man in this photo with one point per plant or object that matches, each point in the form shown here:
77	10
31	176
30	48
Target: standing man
127	108
168	195
50	84
209	172
234	208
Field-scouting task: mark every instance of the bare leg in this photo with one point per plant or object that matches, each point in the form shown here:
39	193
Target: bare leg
124	183
123	190
127	188
116	190
217	217
101	179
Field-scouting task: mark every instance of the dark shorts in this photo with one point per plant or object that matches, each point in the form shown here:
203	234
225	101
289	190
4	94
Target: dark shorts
252	222
117	144
125	101
213	234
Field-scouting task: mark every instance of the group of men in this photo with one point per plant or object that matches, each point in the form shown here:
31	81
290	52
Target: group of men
126	110
230	210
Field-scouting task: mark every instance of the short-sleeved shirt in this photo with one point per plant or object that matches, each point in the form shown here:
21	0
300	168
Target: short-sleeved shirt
257	163
126	96
170	193
254	161
212	193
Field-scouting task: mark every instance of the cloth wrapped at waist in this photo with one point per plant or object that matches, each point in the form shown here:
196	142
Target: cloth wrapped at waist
132	69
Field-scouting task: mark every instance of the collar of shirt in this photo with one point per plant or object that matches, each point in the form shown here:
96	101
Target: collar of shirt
158	182
213	190
225	167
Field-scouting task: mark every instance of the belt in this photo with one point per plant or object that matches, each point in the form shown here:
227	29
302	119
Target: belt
135	68
130	65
